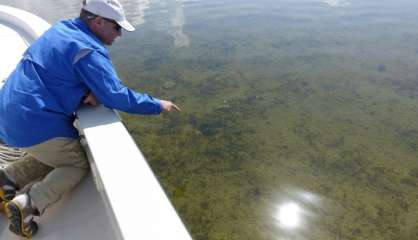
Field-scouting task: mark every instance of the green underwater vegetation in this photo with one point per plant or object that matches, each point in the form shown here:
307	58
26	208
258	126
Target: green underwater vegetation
270	111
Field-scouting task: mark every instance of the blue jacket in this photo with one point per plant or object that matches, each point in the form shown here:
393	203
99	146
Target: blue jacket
41	95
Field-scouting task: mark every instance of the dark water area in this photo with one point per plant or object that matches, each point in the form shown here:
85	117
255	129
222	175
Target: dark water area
300	117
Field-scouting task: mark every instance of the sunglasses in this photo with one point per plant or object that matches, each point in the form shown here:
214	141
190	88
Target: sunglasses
116	25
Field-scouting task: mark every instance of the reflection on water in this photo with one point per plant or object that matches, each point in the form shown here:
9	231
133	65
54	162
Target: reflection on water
176	25
295	214
278	93
135	10
289	216
165	15
337	3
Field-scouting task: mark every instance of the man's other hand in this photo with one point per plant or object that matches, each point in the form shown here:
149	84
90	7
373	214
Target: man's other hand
91	99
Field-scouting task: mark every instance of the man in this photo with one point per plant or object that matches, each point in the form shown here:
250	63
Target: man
67	66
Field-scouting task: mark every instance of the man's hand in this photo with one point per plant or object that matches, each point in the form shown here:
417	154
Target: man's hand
91	99
169	106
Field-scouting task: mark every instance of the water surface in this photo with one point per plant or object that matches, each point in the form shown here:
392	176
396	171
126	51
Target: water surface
300	117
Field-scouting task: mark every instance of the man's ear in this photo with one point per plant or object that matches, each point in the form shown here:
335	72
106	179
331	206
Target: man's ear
95	23
98	21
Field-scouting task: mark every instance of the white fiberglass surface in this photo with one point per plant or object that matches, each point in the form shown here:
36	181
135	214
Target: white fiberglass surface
79	215
11	48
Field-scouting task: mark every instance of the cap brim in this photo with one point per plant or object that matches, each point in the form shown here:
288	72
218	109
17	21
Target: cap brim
126	25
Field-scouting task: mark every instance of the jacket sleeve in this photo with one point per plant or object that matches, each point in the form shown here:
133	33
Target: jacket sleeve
97	72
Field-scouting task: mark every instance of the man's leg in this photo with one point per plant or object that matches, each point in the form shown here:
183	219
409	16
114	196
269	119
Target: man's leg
18	174
69	162
26	170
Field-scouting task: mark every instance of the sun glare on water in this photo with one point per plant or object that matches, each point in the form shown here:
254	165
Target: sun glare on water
289	215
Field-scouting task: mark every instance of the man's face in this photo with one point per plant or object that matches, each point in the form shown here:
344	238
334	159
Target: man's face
108	30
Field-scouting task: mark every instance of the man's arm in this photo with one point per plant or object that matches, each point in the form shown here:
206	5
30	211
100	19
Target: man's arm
97	72
166	105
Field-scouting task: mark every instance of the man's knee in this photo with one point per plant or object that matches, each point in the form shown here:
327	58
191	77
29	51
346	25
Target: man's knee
60	152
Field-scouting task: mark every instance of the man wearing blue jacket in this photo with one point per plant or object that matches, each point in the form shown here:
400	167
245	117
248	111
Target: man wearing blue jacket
67	66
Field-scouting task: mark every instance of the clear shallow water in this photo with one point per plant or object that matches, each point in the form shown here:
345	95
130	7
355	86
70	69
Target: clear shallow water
299	117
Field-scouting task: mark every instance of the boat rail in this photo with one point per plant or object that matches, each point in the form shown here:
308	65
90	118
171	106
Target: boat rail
131	191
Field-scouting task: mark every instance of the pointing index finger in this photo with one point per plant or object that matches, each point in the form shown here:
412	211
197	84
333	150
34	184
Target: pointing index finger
176	107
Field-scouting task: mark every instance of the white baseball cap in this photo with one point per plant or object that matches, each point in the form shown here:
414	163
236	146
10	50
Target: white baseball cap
111	9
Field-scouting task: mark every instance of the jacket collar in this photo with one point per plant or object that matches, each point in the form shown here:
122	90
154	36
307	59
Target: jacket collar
84	28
